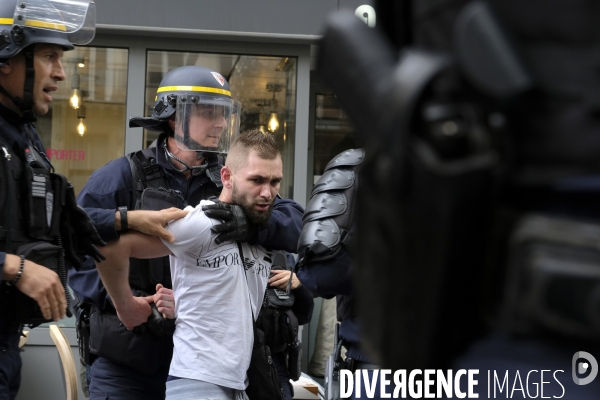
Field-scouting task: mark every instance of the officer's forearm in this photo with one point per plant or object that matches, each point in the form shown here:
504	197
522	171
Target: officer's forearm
114	272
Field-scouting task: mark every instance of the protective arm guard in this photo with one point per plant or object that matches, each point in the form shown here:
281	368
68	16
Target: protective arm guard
328	215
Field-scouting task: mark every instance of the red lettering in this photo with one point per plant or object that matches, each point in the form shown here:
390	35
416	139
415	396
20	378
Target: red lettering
58	154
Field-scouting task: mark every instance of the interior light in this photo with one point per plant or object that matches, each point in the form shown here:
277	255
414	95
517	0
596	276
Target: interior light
273	122
75	99
81	127
81	115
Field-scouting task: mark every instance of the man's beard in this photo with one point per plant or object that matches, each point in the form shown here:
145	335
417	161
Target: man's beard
254	216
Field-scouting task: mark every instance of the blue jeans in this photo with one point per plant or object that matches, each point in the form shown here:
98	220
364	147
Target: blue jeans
187	389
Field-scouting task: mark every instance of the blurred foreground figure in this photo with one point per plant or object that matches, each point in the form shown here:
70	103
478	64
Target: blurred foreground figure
477	227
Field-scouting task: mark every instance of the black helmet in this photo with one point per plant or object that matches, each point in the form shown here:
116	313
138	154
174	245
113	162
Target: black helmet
27	22
61	22
206	116
190	80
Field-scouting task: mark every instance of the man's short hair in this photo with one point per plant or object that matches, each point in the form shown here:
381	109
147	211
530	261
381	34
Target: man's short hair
262	143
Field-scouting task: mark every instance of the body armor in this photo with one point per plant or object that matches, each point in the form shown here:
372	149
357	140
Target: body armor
29	224
328	215
151	192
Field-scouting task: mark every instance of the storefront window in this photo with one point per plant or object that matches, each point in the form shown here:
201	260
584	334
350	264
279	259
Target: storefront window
334	132
266	87
80	140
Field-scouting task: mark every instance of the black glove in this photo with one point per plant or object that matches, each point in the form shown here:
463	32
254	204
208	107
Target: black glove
235	226
79	234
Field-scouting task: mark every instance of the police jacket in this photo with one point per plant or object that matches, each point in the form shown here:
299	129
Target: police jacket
17	138
333	278
111	186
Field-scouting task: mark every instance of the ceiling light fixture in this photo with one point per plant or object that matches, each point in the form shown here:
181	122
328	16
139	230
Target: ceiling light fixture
273	124
81	129
75	99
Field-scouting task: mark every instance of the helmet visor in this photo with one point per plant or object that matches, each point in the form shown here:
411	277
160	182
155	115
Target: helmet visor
77	18
206	123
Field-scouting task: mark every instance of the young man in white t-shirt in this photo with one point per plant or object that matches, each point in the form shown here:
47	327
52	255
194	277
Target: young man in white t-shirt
218	288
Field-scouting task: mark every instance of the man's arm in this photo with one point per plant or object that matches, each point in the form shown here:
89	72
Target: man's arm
281	232
328	278
283	227
114	272
107	189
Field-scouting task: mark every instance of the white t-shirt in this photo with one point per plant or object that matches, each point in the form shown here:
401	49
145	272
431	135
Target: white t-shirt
212	288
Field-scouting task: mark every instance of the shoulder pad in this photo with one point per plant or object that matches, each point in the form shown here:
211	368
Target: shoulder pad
328	214
347	158
334	179
319	240
323	205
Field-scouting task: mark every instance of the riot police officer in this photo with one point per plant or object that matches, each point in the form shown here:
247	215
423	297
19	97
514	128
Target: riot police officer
36	226
197	118
482	159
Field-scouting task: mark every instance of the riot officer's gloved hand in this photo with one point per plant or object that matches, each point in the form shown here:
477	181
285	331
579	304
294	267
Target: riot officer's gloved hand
235	225
79	234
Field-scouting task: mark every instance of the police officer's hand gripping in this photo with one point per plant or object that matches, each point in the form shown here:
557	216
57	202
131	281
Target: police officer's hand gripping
235	226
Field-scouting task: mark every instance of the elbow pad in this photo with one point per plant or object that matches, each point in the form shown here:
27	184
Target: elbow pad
329	212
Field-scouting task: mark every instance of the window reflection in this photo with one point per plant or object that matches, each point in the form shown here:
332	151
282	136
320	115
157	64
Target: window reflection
98	77
85	127
249	78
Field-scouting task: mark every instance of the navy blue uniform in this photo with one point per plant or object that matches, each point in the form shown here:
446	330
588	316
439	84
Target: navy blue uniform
17	137
303	309
333	277
111	187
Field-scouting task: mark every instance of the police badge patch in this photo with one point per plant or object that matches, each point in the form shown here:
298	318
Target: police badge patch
219	78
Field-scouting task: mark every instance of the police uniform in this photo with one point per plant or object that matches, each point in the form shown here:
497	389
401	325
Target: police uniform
302	309
13	142
32	198
463	207
34	224
109	188
325	265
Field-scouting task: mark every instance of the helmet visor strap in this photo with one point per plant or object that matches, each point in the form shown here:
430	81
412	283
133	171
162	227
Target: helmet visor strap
27	106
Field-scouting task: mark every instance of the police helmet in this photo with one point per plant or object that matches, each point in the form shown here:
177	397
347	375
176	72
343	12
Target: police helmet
206	115
62	22
26	22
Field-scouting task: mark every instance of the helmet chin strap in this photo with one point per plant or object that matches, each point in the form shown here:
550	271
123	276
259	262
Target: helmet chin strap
25	104
186	166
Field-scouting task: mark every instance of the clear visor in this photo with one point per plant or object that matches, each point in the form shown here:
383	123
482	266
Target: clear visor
77	18
206	123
